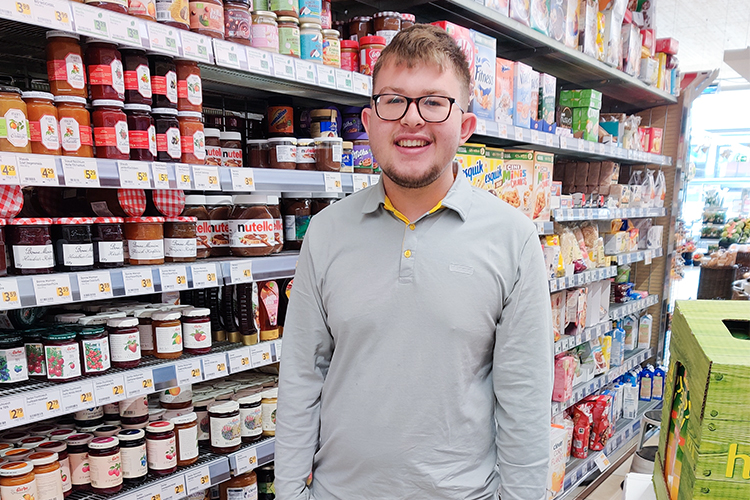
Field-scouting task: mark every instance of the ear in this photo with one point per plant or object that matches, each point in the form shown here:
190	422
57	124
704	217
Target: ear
366	115
468	125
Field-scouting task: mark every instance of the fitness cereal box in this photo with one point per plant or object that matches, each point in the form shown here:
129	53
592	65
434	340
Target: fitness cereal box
504	91
483	94
522	95
540	200
518	174
470	158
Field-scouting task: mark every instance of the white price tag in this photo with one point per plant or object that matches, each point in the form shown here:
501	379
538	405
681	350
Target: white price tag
77	396
37	170
164	38
138	383
206	178
591	146
23	11
138	281
109	389
283	67
333	182
360	181
189	371
581	144
204	275
150	492
214	365
184	176
44	404
518	133
259	61
502	130
91	21
481	127
374	179
239	360
600	148
563	142
52	289
80	172
260	354
344	80
173	278
602	462
327	77
161	175
12	411
246	460
124	29
7	9
278	349
10	298
647	257
362	84
243	179
306	71
197	479
173	488
535	136
8	169
95	285
134	174
227	54
55	15
196	47
241	271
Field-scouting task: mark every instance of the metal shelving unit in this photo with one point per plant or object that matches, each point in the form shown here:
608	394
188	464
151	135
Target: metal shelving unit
567	342
581	279
619	311
581	214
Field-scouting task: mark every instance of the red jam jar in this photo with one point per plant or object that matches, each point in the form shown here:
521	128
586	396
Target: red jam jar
196	330
163	81
63	354
105	463
110	130
161	448
78	452
105	70
141	132
124	342
137	76
31	242
95	347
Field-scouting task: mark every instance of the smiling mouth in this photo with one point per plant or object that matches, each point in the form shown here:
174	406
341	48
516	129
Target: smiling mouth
412	143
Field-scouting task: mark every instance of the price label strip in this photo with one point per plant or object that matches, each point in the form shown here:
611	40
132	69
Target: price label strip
206	178
360	181
198	480
52	14
374	179
37	170
13	411
327	77
164	38
228	54
241	271
602	462
109	389
362	84
134	174
10	298
259	61
481	127
344	80
306	71
283	67
189	371
161	175
52	289
150	492
260	355
124	29
239	360
173	278
95	285
44	404
80	172
243	179
91	21
214	366
333	182
173	488
139	383
183	174
197	47
246	460
204	275
278	349
138	281
8	169
23	11
77	396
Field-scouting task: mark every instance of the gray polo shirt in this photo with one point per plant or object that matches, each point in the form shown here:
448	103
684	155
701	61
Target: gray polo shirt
417	357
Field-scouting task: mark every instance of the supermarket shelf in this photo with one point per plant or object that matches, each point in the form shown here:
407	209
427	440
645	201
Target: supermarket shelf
32	401
503	134
641	255
579	214
250	457
567	342
587	388
583	278
619	311
544	228
64	288
47	170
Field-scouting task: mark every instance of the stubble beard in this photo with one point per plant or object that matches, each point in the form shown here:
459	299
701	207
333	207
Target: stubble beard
426	179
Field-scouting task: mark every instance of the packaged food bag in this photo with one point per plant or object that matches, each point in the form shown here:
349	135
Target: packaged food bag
558	302
563	382
581	430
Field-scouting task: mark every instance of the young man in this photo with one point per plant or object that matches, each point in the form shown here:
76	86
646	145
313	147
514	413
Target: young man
418	343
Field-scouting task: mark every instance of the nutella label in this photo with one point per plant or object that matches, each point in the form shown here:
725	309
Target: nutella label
46	132
139	80
253	233
166	85
146	249
231	157
190	89
179	247
33	256
219	233
78	255
213	155
203	234
286	154
15	128
304	154
110	251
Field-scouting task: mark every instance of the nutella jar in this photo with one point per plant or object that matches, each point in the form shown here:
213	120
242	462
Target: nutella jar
257	153
219	208
297	210
305	154
213	146
387	24
282	152
328	154
231	149
195	206
251	226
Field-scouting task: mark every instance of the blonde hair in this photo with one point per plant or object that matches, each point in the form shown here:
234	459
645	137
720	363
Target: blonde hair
429	45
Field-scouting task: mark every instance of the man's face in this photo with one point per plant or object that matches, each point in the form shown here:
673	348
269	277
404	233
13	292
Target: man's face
411	152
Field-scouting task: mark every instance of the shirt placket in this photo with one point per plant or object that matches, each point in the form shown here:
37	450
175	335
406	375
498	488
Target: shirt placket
409	253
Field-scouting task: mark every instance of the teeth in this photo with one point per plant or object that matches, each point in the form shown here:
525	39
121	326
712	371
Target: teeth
412	143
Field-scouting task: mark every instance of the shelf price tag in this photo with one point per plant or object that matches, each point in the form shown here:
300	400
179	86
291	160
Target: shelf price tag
239	360
581	145
600	148
134	174
647	257
228	54
44	404
344	80
198	479
333	182
95	285
8	169
360	181
139	382
10	298
37	170
518	133
260	354
591	146
55	15
173	488
206	178
502	130
196	47
563	142
91	21
214	365
549	139
278	349
241	271
246	460
189	371
183	174
173	278
259	61
362	84
204	275
80	172
535	136
327	77
13	411
163	38
602	462
243	179
53	289
481	127
161	175
124	29
138	281
306	71
77	396
374	179
109	389
23	11
283	67
151	492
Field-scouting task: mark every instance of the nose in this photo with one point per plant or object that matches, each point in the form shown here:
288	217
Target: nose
412	117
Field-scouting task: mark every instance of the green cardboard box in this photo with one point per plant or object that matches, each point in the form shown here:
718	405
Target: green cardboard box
586	124
587	98
704	444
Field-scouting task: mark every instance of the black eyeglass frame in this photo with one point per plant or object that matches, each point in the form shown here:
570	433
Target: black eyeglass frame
409	100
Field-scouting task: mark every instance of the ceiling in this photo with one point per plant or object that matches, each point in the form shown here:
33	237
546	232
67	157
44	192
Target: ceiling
705	29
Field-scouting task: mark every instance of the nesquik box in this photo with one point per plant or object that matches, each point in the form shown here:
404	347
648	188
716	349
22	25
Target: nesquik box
493	178
471	161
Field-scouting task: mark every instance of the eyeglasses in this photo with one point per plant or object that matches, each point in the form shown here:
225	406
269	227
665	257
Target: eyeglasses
432	108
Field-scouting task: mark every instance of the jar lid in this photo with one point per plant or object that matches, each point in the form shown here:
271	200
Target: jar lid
347	145
55	446
43	457
59	335
103	443
323	113
288	19
10	452
38	95
42	429
282	139
165	315
184	419
122	322
182	218
70	98
141	220
331	33
34	221
32	442
372	40
164	111
108	220
132	201
107	102
156	413
107	430
71	318
169	202
72	221
195	199
251	399
256	141
93	320
79	439
61	434
330	139
88	429
12	469
387	13
160	426
310	26
296	195
131	434
250	199
211	132
203	400
8	88
137	107
225	407
361	19
56	33
220	199
265	13
196	312
144	313
409	17
230	136
190	114
270	393
349	44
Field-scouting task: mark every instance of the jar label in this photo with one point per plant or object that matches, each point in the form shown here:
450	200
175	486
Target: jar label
125	346
65	473
180	247
166	85
63	362
332	52
161	453
268	416
289	44
311	46
106	471
203	234
35	359
110	251
280	120
231	157
295	227
116	136
134	407
70	70
219	233
138	139
265	37
152	140
146	249
251	421
134	463
101	74
284	6
267	488
310	9
197	335
387	34
213	155
337	151
304	154
96	355
207	17
142	8
191	89
168	339
80	472
146	337
195	145
367	60
78	255
286	154
187	443
169	143
33	256
15	128
252	233
237	22
13	365
325	128
70	137
49	485
46	131
347	162
26	491
139	80
244	493
172	11
350	60
179	394
225	432
203	425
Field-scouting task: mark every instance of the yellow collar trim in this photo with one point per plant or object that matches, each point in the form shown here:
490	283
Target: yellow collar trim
389	206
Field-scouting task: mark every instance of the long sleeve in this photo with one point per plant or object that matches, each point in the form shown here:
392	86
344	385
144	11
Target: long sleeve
522	378
308	347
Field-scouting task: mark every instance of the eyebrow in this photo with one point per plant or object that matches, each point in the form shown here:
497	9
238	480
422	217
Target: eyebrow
397	90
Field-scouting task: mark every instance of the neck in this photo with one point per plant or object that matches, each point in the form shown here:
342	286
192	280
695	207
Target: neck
414	203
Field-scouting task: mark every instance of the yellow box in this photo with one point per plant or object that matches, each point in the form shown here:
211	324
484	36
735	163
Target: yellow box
493	179
540	201
470	158
518	179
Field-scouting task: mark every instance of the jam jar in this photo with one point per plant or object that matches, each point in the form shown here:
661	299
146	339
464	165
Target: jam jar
65	70
213	146
282	152
62	457
177	398
250	416
350	55
105	70
238	21
144	9
48	475
31	244
13	362
180	239
78	452
14	123
289	36
43	123
145	236
219	207
107	237
134	411
186	428
75	126
360	27
265	31
110	130
224	424
104	457
240	486
15	454
37	365
141	132
189	86
257	153
173	13
161	448
17	481
74	249
94	346
268	411
386	24
201	406
163	81
207	17
407	20
137	76
192	137
251	227
168	142
133	455
196	330
145	331
124	340
167	334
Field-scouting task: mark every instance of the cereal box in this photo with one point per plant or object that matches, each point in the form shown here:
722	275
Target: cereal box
543	165
547	91
522	95
570	11
483	101
519	10
501	6
504	91
556	475
534	109
557	20
540	16
493	179
470	158
586	124
587	27
518	172
463	39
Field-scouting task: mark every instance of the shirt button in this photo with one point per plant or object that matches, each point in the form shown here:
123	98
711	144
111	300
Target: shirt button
407	254
412	227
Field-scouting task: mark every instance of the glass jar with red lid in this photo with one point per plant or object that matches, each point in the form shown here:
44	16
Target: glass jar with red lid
124	342
350	55
107	236
105	465
110	130
168	142
163	81
78	452
31	243
137	76
106	74
196	330
161	448
75	126
141	131
189	86
74	250
145	237
192	138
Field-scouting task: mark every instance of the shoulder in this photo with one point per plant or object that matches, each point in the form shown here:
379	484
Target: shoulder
500	215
